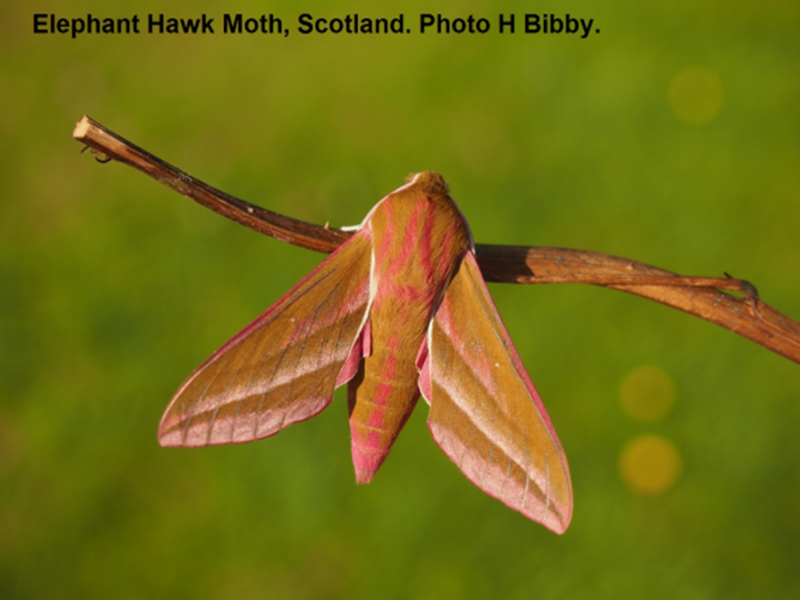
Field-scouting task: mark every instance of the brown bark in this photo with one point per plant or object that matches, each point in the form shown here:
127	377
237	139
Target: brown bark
700	296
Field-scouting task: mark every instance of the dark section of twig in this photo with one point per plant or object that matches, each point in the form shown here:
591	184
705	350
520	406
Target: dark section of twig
747	316
700	296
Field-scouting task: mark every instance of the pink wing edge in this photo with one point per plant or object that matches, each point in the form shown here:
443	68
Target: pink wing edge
362	344
423	365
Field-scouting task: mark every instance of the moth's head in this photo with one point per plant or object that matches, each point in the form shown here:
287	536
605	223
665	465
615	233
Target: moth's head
429	181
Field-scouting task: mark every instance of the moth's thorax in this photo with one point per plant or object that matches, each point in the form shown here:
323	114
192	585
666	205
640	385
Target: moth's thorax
419	235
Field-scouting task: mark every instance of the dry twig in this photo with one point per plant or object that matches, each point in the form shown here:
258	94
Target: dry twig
700	296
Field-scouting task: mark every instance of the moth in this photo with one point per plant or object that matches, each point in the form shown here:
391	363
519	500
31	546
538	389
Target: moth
397	311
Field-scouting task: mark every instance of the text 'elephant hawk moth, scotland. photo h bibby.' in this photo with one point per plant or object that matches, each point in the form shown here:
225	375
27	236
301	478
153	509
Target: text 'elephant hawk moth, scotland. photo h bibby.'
397	310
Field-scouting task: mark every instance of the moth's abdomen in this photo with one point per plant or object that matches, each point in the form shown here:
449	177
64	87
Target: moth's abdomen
381	398
419	237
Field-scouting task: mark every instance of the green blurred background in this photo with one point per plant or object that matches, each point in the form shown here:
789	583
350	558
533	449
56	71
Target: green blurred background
672	137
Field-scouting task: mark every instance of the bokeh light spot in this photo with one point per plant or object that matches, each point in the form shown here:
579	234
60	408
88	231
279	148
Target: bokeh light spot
647	393
695	95
650	464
